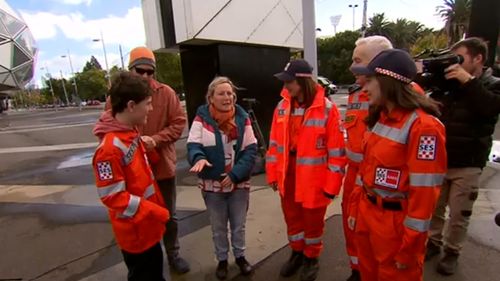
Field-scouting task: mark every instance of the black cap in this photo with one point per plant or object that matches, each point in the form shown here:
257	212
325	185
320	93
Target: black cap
294	69
394	63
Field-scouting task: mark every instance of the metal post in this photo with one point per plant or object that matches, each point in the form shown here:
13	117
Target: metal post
64	88
121	57
74	80
364	25
353	6
51	88
105	58
309	35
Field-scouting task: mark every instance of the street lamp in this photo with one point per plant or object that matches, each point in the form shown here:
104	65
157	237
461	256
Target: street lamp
64	88
74	76
105	56
50	85
353	13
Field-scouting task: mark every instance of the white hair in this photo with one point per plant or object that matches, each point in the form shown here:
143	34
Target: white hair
376	44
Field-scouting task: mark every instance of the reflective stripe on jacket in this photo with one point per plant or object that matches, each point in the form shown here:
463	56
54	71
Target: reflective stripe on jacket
355	126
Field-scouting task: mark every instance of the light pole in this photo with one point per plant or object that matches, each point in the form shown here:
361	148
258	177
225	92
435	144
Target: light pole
74	78
353	6
50	85
309	35
64	88
105	56
335	21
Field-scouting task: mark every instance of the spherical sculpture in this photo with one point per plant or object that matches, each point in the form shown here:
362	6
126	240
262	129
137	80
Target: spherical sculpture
17	50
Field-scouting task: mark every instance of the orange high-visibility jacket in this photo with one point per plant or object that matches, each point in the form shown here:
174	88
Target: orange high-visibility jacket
355	126
126	185
405	160
320	150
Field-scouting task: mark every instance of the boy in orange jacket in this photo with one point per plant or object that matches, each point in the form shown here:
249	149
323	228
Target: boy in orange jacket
125	182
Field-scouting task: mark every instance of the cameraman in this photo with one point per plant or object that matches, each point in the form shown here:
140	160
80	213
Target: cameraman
469	113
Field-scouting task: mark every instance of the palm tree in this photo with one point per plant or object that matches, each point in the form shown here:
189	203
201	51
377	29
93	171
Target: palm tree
404	33
456	14
378	25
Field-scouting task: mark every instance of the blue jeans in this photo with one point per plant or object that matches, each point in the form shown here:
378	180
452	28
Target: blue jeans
229	207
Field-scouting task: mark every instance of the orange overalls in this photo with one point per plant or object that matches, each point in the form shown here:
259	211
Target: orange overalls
126	185
356	113
399	181
306	167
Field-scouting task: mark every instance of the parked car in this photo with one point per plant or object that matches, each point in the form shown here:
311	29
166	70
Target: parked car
330	88
93	102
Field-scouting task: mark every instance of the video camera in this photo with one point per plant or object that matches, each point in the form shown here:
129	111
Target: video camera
432	78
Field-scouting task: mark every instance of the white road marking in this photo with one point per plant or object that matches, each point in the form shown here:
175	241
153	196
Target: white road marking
45	128
57	147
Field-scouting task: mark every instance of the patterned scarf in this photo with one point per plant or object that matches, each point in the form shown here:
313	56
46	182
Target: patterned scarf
225	120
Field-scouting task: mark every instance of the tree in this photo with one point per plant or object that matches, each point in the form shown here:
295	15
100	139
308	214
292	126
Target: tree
168	70
92	64
404	33
57	85
334	55
92	84
378	25
456	14
431	41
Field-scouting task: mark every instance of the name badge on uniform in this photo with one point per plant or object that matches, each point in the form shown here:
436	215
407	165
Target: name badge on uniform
427	148
387	177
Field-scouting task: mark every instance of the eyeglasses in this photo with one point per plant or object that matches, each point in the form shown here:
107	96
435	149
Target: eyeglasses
141	71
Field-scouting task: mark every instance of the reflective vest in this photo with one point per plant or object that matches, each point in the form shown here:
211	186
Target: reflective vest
320	150
355	126
126	186
405	161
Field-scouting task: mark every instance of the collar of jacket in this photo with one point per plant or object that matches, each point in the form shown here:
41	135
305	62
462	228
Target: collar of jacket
155	85
487	77
318	99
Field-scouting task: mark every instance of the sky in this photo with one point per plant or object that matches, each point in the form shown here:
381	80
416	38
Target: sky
62	26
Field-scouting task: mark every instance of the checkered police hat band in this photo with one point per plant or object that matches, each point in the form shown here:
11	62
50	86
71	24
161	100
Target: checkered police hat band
393	75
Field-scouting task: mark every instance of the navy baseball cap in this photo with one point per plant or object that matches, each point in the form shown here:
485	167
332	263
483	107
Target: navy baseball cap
294	69
394	63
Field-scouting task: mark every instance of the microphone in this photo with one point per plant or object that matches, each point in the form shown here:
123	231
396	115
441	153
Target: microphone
497	219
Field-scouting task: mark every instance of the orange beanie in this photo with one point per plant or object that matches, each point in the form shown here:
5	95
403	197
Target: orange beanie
141	55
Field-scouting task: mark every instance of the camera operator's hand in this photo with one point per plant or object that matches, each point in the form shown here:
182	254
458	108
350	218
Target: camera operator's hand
456	71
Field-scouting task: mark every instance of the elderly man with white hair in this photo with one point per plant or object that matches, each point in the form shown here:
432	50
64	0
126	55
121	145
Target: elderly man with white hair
357	110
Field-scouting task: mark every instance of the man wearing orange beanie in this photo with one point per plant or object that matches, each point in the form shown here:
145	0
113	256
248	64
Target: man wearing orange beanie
164	127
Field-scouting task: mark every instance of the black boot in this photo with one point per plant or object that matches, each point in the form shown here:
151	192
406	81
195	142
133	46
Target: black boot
448	264
221	271
244	265
292	265
355	276
310	270
432	250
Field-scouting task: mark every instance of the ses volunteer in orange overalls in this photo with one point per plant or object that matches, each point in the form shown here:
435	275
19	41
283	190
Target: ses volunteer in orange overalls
125	182
404	162
305	162
357	111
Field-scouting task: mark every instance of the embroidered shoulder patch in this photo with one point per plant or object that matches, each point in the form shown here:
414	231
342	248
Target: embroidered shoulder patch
387	177
104	170
427	148
349	118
